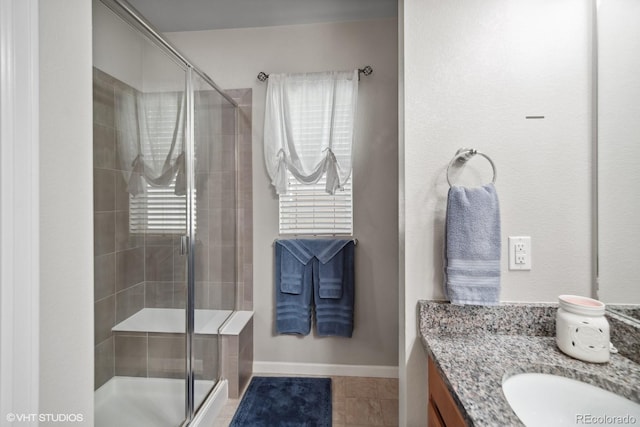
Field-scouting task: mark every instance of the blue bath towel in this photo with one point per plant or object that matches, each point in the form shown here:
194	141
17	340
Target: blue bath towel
318	270
334	287
294	288
473	246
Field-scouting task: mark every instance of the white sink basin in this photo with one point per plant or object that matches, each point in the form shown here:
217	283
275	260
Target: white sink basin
550	400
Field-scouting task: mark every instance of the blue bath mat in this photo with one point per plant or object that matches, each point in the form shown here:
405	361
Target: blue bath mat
285	402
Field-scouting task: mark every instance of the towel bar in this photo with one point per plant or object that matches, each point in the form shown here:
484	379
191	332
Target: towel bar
355	241
463	155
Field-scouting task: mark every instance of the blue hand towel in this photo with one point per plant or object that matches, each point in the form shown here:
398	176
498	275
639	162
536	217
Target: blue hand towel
292	266
330	266
473	246
293	288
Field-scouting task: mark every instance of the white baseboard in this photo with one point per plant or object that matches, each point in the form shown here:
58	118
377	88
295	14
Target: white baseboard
288	368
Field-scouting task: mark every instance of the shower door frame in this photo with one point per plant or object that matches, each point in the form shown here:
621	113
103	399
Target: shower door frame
134	18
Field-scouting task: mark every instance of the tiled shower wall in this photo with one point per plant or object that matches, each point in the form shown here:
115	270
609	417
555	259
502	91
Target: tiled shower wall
119	263
244	296
135	271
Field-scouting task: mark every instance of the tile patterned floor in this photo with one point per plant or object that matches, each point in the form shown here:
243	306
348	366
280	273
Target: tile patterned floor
356	402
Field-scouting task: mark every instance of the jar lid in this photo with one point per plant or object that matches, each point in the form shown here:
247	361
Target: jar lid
581	305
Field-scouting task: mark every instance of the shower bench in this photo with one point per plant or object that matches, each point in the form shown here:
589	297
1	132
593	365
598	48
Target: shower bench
157	334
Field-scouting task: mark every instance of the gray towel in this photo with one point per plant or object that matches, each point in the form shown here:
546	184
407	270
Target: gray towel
473	246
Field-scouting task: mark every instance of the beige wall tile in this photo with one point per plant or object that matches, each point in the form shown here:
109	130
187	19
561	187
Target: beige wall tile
222	190
103	101
248	286
225	161
166	356
230	346
202	295
179	264
131	355
104	318
130	268
228	295
201	262
124	238
230	371
158	294
122	195
203	218
103	362
206	356
222	226
158	263
104	226
246	340
104	147
180	295
104	276
223	263
129	302
104	190
228	120
161	239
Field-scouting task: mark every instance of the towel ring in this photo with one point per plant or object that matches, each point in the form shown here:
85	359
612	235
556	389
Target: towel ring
463	155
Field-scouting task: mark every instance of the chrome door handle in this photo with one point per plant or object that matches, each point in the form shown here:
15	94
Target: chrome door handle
184	245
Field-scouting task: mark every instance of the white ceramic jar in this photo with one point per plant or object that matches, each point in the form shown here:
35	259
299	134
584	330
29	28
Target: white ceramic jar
582	331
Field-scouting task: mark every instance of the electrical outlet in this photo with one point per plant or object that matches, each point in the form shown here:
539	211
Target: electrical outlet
519	253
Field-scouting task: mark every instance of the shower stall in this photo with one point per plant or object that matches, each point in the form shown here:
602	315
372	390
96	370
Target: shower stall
165	225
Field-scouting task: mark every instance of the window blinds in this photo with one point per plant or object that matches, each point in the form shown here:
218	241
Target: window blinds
308	209
158	210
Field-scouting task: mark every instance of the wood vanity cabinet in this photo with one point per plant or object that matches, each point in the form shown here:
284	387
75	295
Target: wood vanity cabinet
442	409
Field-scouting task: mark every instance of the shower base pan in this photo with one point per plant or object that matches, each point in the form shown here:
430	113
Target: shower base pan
142	402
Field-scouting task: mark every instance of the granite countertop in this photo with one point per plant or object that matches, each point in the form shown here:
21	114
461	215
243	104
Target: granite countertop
475	348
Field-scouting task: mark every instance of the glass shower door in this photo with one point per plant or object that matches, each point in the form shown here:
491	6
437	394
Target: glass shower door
140	212
215	228
165	225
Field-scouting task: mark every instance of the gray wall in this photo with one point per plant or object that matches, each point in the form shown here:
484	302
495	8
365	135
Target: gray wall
234	58
66	224
618	149
473	69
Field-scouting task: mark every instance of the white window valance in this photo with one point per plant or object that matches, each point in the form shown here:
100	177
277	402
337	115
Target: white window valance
151	139
309	127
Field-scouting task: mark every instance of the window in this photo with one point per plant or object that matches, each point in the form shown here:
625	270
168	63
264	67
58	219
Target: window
309	130
308	209
158	211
